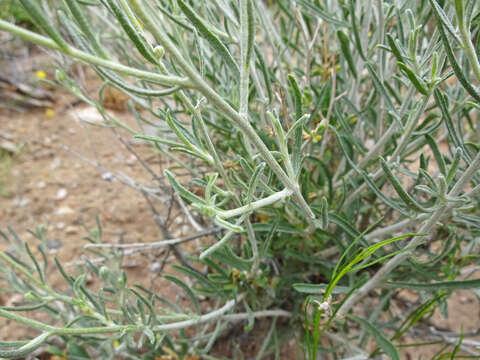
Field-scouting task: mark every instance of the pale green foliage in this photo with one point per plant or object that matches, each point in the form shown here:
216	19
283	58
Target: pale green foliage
337	146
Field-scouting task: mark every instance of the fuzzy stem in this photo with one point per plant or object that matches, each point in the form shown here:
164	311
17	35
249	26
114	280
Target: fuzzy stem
469	48
256	204
244	62
92	59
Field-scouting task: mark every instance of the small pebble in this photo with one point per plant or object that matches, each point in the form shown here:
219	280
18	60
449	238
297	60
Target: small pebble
61	194
21	201
53	244
70	230
64	210
55	163
108	176
155	267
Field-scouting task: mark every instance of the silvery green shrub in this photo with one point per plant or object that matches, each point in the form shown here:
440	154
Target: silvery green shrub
336	145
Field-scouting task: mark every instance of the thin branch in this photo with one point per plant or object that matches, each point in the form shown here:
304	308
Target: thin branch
157	244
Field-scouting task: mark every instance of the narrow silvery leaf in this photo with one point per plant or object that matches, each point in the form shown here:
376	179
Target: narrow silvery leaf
428	130
26	349
436	286
187	290
297	139
416	81
220	243
429	179
442	186
84	26
413	43
426	190
436	153
434	66
254	181
321	13
217	245
452	131
196	275
409	201
394	48
345	46
265	72
390	202
196	129
356	30
210	184
35	263
297	95
278	129
346	226
381	340
124	85
319	289
192	152
454	166
139	42
251	317
381	89
462	78
214	41
228	225
299	123
184	193
324	212
159	140
182	133
67	277
251	31
37	16
441	16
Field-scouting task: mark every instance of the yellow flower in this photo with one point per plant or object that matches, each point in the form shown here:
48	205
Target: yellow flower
170	354
116	344
49	112
262	218
40	74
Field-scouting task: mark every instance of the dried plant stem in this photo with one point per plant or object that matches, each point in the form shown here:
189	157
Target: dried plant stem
157	244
